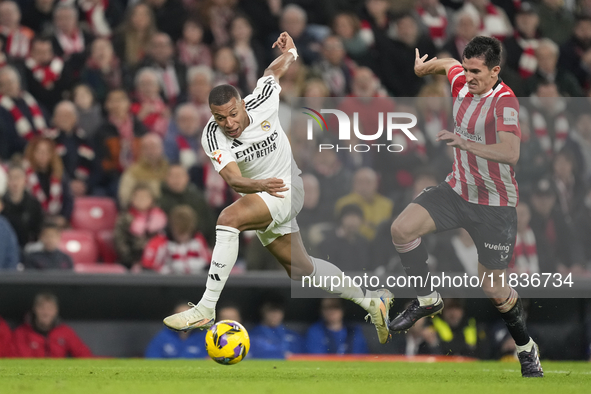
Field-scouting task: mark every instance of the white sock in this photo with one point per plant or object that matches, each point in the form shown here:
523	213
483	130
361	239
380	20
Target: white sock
428	299
527	347
347	290
225	253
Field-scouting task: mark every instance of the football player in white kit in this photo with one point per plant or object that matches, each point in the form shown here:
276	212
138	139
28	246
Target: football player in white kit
251	152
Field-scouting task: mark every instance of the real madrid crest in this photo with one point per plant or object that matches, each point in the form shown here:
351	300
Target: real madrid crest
265	125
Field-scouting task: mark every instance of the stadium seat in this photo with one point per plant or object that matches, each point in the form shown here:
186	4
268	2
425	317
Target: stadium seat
80	245
99	269
94	213
106	248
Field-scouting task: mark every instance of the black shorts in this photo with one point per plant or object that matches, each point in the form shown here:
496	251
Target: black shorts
493	229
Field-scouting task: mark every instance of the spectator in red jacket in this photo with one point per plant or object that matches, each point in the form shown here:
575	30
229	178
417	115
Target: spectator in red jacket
6	344
43	335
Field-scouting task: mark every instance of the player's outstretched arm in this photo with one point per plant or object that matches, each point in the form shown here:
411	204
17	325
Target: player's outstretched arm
233	177
432	66
280	65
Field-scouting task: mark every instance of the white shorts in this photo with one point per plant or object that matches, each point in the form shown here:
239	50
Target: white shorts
283	211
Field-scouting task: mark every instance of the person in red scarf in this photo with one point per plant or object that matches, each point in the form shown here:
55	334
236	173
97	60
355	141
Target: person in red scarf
46	179
6	345
73	147
435	18
117	141
101	16
170	72
182	250
43	335
69	41
141	221
149	107
466	28
47	75
17	37
103	70
21	117
521	47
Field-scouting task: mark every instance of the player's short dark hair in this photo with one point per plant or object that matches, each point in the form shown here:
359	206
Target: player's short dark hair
222	94
488	48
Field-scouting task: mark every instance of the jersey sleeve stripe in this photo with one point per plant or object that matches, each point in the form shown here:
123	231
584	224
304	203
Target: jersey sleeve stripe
267	91
208	137
259	97
211	139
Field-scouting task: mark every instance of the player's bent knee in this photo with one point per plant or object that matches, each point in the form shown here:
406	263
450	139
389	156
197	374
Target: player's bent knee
229	218
401	233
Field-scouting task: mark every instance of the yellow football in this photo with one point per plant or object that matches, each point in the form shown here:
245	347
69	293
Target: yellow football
227	342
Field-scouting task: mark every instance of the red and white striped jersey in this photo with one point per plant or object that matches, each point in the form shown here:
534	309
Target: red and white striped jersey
479	118
169	257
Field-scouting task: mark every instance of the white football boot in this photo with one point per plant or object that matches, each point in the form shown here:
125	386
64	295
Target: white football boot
379	312
196	317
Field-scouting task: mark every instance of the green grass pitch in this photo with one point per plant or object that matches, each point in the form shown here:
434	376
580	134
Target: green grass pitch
285	377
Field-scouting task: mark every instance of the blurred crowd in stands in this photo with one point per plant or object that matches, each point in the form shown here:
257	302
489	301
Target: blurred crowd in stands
102	106
454	332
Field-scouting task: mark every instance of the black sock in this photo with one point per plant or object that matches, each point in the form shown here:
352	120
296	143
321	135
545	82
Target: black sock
515	322
414	263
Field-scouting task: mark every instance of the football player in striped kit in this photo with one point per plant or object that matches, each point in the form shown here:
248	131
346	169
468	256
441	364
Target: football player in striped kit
251	152
480	194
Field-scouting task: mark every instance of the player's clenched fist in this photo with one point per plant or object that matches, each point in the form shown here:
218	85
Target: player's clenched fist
284	42
273	186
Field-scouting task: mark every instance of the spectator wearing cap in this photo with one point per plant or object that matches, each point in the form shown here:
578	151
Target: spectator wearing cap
521	47
271	339
43	335
558	248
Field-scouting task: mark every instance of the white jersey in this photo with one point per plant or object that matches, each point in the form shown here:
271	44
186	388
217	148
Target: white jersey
262	151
